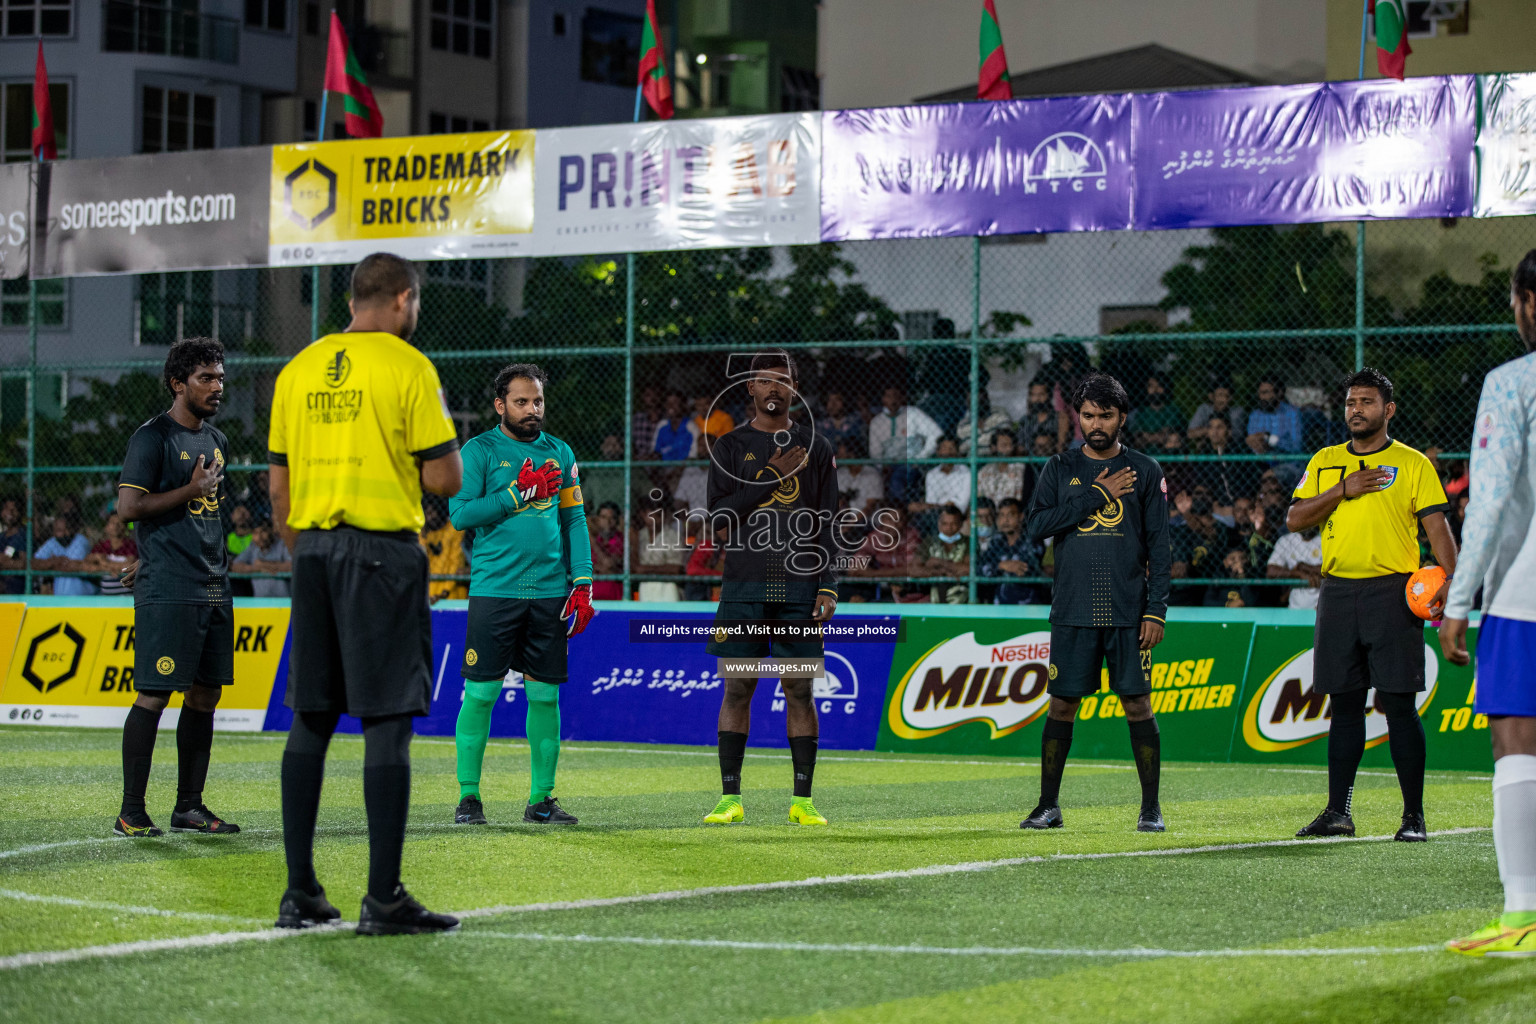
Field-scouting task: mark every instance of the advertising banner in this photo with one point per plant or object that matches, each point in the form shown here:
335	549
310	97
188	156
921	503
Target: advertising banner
624	692
137	214
718	182
431	197
73	665
978	686
1012	167
13	220
1506	146
1295	154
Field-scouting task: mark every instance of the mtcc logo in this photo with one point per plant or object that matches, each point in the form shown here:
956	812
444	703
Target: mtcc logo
840	682
1067	158
309	194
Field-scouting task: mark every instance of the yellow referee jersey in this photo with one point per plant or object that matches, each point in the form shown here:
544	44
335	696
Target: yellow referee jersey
1376	534
350	416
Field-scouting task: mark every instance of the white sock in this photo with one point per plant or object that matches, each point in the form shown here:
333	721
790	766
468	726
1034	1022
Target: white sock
1514	829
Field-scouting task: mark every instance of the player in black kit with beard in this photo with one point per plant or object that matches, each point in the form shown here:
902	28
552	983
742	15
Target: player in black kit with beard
1106	507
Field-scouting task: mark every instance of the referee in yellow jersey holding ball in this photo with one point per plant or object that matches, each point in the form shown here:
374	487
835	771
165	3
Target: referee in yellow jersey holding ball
359	430
1370	496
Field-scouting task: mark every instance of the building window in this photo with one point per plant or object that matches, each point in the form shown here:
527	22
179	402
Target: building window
37	18
16	115
462	26
174	120
800	89
311	120
311	18
51	303
188	304
271	15
442	124
559	24
610	47
471	275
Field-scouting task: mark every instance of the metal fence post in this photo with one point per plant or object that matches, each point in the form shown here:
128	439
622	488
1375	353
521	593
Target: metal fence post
629	416
1359	294
31	424
973	542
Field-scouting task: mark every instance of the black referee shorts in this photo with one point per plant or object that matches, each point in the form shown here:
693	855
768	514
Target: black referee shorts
515	633
362	631
1366	635
1079	654
180	645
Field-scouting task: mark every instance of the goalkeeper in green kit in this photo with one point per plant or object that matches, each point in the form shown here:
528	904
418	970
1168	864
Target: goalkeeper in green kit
531	572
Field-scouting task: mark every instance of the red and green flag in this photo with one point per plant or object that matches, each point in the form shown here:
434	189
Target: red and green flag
654	83
1392	49
44	142
992	81
344	75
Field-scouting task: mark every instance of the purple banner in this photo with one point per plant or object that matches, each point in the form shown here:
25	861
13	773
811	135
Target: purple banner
1293	154
1015	167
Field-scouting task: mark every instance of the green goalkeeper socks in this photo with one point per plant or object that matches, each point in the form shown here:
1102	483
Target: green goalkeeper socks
473	729
543	737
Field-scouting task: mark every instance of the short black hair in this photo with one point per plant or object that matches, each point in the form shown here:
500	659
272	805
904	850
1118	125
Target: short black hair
383	275
951	438
1271	378
617	509
1370	377
773	359
1213	417
1524	276
1014	502
951	510
510	373
1103	391
187	355
982	501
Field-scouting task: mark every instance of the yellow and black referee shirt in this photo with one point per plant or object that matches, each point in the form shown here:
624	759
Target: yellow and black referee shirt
1376	534
350	416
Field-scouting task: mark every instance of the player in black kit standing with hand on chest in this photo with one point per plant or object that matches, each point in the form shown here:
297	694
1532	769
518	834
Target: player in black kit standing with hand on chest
1106	509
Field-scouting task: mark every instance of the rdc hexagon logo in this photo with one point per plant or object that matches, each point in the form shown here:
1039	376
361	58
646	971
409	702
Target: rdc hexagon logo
309	194
53	658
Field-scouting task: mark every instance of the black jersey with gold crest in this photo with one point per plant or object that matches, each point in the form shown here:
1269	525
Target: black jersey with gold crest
1112	555
182	554
779	541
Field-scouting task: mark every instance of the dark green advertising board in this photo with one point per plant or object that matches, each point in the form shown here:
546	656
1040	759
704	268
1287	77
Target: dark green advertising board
1227	686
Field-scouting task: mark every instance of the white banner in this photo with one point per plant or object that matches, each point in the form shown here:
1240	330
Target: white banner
703	184
1506	146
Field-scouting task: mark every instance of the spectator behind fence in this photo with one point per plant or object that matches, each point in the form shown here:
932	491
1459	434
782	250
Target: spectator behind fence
66	551
1299	556
946	553
1274	425
860	484
606	483
1010	552
889	551
983	521
241	529
1226	478
1043	447
607	549
691	493
710	419
899	432
1000	481
1268	527
660	550
266	553
1157	423
840	423
675	433
110	554
991	425
648	416
1198	543
946	484
1235	590
705	568
1041	419
445	553
13	545
1219	404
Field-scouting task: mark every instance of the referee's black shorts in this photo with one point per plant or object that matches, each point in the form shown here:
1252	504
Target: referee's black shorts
1366	635
1079	655
519	633
362	630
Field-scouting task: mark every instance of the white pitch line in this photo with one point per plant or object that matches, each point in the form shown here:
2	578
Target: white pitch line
932	870
118	949
122	908
860	947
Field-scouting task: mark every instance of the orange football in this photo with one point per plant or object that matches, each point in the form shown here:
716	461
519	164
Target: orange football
1421	590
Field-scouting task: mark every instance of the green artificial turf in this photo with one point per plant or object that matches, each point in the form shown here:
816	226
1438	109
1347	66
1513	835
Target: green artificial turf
1188	935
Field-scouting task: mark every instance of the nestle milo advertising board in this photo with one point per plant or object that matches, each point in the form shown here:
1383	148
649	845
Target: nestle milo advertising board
978	686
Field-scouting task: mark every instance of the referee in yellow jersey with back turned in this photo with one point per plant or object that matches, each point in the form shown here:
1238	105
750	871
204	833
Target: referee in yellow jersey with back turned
1371	495
359	430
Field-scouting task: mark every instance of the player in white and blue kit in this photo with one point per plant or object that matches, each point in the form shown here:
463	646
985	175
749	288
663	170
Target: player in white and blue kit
1499	554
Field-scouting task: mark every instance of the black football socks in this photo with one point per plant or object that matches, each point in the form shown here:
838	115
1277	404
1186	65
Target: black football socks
138	755
1346	745
1147	748
802	755
1055	743
733	750
1405	734
194	743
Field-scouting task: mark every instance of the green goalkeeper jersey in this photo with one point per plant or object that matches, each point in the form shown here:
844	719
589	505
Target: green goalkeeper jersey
521	549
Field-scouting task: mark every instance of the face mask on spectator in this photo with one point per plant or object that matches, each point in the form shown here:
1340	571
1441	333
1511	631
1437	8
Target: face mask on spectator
949	538
983	531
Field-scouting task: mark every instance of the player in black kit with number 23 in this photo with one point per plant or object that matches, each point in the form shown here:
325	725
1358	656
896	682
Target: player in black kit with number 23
1105	508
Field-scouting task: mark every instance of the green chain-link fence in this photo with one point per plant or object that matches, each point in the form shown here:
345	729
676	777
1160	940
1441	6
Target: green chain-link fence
939	327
